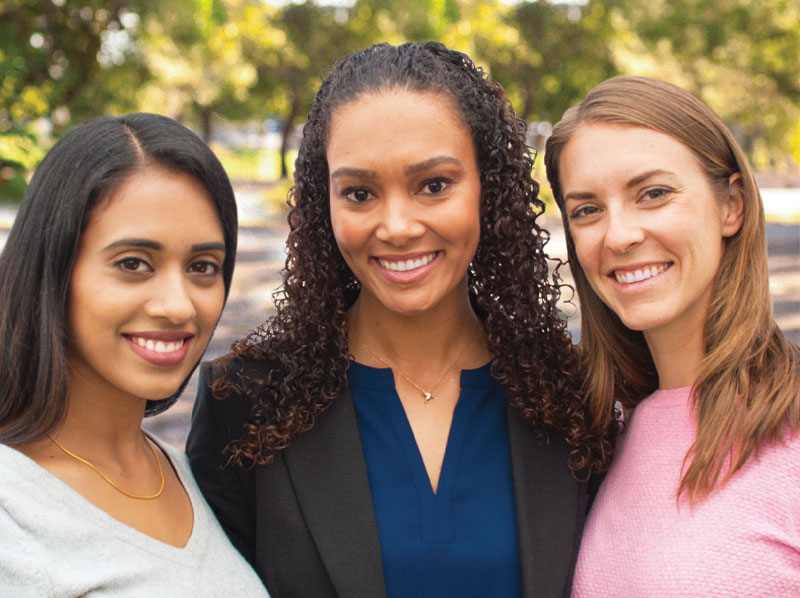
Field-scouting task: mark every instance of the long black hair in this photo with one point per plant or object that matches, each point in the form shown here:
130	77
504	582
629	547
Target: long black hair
85	166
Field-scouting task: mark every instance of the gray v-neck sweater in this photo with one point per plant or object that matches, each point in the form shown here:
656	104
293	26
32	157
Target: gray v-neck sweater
53	542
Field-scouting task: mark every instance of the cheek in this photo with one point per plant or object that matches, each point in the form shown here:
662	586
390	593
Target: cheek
586	251
84	310
210	304
463	225
348	232
337	225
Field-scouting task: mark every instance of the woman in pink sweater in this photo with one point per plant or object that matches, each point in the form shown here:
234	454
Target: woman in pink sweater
667	243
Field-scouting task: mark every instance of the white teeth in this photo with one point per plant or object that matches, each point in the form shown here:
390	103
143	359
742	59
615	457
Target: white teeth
405	266
158	346
638	275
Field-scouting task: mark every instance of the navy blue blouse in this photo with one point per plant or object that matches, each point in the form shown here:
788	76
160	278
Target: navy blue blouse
462	540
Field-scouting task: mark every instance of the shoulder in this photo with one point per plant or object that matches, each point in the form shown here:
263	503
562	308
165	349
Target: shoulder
238	369
23	570
24	481
26	516
176	457
229	389
231	383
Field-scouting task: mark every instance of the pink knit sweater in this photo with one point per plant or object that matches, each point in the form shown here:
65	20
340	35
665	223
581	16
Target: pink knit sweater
744	540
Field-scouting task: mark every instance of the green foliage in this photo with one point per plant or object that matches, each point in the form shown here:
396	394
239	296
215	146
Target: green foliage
562	51
210	61
740	56
65	61
256	164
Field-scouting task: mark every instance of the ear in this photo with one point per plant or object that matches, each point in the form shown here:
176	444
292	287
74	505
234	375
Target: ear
733	206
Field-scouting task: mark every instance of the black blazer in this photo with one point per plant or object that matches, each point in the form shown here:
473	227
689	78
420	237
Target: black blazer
306	521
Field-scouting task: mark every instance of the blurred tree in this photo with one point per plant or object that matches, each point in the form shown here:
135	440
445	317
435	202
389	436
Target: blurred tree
290	51
202	61
740	56
562	51
194	51
65	60
398	21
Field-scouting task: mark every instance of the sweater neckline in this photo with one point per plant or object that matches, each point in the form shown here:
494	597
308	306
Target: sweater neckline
61	493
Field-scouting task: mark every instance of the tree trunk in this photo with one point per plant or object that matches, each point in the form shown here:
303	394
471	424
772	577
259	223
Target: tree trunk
528	104
205	122
288	125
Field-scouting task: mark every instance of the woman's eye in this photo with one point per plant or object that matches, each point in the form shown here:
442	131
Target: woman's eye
132	264
655	193
435	186
583	211
205	268
357	195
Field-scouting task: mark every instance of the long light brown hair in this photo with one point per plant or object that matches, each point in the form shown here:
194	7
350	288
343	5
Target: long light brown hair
748	389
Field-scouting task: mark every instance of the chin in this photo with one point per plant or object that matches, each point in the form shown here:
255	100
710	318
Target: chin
411	310
643	324
157	392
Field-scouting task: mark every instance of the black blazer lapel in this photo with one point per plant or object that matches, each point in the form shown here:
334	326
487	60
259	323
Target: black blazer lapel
550	510
330	480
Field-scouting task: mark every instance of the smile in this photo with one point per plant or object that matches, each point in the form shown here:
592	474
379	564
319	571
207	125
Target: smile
158	346
640	274
161	348
407	265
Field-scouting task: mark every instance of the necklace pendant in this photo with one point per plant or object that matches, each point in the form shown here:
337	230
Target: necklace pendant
428	396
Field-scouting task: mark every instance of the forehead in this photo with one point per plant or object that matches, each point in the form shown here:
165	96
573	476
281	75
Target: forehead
599	151
395	120
155	201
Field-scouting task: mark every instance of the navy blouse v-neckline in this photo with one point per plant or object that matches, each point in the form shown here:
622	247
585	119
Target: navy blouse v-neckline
461	540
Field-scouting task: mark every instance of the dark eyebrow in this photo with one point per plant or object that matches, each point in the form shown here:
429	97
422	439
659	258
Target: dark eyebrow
156	246
361	173
143	243
426	164
208	247
412	169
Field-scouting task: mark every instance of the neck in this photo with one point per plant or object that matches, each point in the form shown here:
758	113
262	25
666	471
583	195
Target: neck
426	339
678	357
101	419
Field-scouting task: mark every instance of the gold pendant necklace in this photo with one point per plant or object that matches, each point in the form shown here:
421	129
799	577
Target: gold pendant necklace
427	395
108	480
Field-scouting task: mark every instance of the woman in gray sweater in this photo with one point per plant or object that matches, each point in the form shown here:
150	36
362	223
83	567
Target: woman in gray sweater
111	283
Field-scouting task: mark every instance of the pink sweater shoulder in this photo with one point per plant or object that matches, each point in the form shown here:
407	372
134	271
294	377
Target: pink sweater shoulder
639	540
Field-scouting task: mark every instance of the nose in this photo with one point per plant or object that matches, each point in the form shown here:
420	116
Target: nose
399	220
623	231
171	299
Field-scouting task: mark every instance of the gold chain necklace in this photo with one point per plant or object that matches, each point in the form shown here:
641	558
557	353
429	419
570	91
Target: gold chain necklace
108	480
427	395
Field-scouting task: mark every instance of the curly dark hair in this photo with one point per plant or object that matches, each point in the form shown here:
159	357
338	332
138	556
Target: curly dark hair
304	347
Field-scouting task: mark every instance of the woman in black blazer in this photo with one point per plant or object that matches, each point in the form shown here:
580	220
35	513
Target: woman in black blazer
410	422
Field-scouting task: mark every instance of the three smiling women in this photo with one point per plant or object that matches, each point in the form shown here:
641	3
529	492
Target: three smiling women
412	421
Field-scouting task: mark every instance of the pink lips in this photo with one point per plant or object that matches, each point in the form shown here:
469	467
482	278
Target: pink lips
160	348
407	276
639	277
